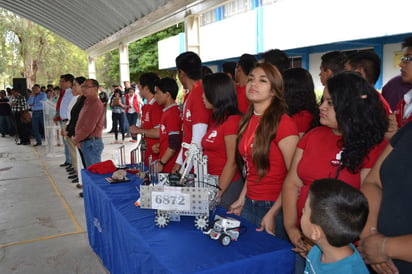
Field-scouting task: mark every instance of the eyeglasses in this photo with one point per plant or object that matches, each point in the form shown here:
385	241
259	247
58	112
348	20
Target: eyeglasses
406	59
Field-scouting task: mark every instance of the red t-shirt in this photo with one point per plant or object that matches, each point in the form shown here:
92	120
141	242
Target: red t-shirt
214	146
170	124
270	186
400	112
243	102
385	103
303	120
319	160
194	112
151	115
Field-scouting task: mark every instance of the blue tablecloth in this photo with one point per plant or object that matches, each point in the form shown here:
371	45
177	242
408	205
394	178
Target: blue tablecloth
127	240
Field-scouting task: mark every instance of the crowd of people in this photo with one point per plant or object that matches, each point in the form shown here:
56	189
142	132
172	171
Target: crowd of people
306	172
330	177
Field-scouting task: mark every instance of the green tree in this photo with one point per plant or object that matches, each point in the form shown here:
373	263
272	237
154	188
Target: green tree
35	53
143	54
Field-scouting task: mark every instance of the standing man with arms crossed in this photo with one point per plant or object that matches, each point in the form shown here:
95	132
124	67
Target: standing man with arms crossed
89	127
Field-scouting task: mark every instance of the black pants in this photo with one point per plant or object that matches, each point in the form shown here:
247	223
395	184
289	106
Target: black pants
118	118
23	129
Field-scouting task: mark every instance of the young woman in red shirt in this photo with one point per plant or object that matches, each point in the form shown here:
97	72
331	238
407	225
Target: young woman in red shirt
345	147
266	144
219	142
300	98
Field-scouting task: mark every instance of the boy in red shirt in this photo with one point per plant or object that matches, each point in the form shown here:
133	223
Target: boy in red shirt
170	124
151	115
195	115
245	64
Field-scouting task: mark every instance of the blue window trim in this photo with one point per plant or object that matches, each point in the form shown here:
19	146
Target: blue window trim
219	13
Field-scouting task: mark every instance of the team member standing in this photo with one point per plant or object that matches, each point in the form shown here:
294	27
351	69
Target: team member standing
219	143
151	115
170	124
35	103
245	64
404	107
195	115
345	147
267	142
300	98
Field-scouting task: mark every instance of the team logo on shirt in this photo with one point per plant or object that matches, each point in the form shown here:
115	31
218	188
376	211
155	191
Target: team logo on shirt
211	136
163	129
188	115
337	160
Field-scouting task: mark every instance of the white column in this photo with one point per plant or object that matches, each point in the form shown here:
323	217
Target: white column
192	33
91	67
124	63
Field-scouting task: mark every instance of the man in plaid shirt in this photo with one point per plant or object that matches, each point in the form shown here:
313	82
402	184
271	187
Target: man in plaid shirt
18	105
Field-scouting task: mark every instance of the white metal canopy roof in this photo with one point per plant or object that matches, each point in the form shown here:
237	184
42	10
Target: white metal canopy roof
99	26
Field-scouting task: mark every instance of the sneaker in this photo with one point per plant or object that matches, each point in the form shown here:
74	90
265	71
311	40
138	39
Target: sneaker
123	142
64	164
114	142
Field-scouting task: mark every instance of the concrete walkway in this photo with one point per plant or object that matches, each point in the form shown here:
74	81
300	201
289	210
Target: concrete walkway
42	221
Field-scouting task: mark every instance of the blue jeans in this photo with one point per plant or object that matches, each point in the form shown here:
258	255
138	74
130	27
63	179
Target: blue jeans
254	211
92	151
37	124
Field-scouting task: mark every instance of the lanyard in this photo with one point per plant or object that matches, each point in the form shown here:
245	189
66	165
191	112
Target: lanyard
250	134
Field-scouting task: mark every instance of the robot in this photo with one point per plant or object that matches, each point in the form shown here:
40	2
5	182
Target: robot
225	230
175	195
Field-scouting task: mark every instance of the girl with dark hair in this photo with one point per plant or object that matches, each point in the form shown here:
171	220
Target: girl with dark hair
219	142
300	98
266	143
118	105
345	147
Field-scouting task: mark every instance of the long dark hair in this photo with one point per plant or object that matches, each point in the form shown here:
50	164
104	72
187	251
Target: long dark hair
268	125
221	93
299	91
360	115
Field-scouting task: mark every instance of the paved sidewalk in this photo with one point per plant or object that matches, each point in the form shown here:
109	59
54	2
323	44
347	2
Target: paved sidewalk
42	222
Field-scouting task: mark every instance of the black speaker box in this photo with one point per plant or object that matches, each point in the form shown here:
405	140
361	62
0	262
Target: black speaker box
21	85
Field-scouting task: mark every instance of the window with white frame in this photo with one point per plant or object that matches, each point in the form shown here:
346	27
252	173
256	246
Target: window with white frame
236	7
208	17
